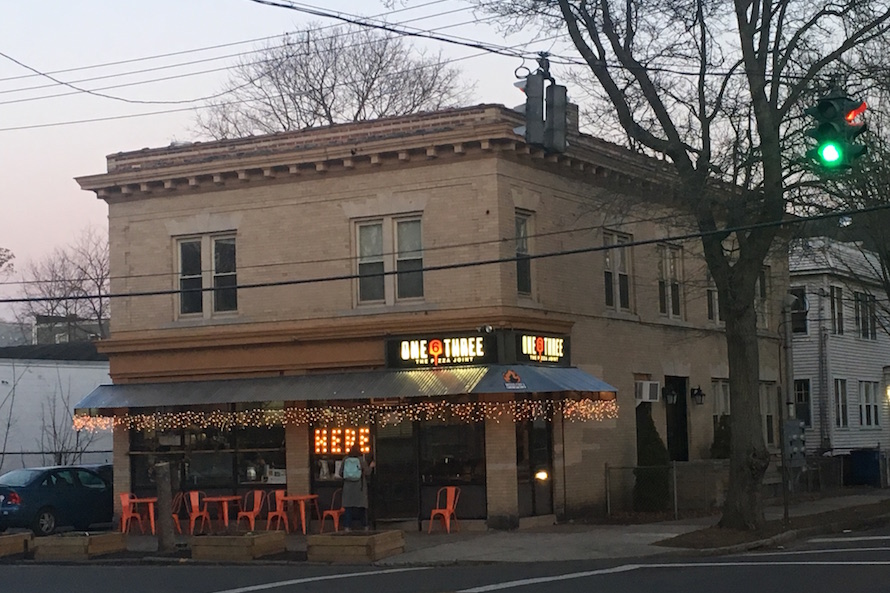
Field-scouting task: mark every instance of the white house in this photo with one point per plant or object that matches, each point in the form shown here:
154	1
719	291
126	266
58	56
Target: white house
39	386
841	353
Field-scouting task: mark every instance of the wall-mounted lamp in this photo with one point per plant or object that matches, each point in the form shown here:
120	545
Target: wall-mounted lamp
670	396
541	475
698	396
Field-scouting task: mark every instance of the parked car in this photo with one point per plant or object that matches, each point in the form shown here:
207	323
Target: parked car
46	498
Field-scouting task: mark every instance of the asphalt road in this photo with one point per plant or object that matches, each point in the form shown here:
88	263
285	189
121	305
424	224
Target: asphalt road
857	562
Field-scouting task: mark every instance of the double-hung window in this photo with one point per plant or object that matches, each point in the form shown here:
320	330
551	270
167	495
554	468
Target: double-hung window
720	389
866	320
841	413
616	272
390	260
761	303
836	297
869	404
207	262
669	280
799	310
523	263
714	306
767	411
802	401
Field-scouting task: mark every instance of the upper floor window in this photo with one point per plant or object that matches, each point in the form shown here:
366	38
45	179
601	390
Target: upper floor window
799	310
617	270
669	280
865	315
836	296
841	412
802	401
390	260
523	263
198	270
869	404
761	302
714	306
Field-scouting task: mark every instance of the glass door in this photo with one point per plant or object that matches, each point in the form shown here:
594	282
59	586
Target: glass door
395	482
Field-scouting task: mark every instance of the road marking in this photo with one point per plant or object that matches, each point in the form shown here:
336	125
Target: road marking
632	567
828	540
830	551
328	577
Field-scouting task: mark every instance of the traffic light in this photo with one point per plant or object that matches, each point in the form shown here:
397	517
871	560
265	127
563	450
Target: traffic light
836	131
533	87
555	124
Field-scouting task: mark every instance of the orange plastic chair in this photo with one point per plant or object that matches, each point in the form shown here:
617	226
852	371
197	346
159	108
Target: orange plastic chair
446	513
251	506
175	507
197	509
279	513
335	512
129	514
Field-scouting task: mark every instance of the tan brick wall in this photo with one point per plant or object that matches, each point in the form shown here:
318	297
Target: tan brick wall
121	460
501	493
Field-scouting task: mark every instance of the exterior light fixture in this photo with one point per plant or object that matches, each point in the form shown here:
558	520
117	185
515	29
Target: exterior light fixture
541	475
670	396
698	396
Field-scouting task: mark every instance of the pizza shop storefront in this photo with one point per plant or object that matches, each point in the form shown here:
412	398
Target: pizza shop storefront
480	411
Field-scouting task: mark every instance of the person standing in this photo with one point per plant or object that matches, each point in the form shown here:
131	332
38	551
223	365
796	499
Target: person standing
355	471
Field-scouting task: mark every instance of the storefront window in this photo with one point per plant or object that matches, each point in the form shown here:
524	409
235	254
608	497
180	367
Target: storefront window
452	452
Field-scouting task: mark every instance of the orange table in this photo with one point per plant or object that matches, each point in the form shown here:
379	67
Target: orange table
302	499
149	501
223	502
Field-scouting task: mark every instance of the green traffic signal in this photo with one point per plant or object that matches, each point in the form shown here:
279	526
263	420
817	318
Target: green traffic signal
830	154
836	130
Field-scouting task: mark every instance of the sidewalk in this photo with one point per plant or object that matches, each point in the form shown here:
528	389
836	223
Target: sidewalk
561	542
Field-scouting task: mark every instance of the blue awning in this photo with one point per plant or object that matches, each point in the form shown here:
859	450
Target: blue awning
368	385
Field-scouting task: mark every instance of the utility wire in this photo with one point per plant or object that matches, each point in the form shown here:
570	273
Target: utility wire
471	264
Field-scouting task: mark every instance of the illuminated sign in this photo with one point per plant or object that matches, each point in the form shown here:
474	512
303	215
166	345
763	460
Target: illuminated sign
542	349
338	441
438	351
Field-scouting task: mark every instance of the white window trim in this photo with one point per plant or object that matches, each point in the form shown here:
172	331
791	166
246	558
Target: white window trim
208	273
873	402
841	404
664	276
390	257
616	238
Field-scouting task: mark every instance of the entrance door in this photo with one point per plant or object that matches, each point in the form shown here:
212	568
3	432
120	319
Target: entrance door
675	415
534	468
394	493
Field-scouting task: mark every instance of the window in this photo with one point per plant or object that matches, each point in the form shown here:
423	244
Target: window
802	410
761	296
714	306
865	315
390	260
837	310
841	416
195	273
720	389
616	270
799	310
669	279
869	409
767	411
523	263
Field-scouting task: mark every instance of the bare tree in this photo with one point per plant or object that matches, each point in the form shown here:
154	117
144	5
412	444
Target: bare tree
716	87
325	76
6	257
69	288
57	436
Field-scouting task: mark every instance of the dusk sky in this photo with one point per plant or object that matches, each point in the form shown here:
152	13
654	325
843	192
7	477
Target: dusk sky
42	151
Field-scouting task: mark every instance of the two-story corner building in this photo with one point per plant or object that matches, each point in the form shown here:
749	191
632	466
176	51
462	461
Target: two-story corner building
841	349
469	309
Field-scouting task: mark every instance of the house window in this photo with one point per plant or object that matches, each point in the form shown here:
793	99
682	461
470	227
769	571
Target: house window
841	415
523	263
715	313
720	389
802	410
669	279
869	410
865	315
799	311
767	411
196	271
616	270
390	260
837	310
761	303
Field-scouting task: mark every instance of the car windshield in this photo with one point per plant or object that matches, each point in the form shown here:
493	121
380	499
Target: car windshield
18	477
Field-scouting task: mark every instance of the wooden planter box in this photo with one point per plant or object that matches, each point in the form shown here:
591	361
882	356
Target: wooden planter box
354	547
79	546
238	547
15	543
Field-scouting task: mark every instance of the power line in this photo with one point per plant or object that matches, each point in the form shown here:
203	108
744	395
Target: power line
471	264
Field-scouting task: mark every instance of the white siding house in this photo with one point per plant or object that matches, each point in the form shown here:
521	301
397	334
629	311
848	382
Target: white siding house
841	347
39	386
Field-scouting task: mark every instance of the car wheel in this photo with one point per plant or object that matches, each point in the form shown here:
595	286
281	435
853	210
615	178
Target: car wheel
44	522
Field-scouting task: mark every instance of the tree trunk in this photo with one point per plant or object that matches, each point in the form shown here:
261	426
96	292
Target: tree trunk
749	458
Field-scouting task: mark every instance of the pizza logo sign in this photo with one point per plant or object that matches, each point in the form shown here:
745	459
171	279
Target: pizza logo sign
438	351
542	348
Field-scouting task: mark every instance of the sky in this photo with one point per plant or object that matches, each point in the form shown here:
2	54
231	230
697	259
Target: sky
41	151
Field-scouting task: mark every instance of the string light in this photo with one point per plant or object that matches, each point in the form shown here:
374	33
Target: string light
581	410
